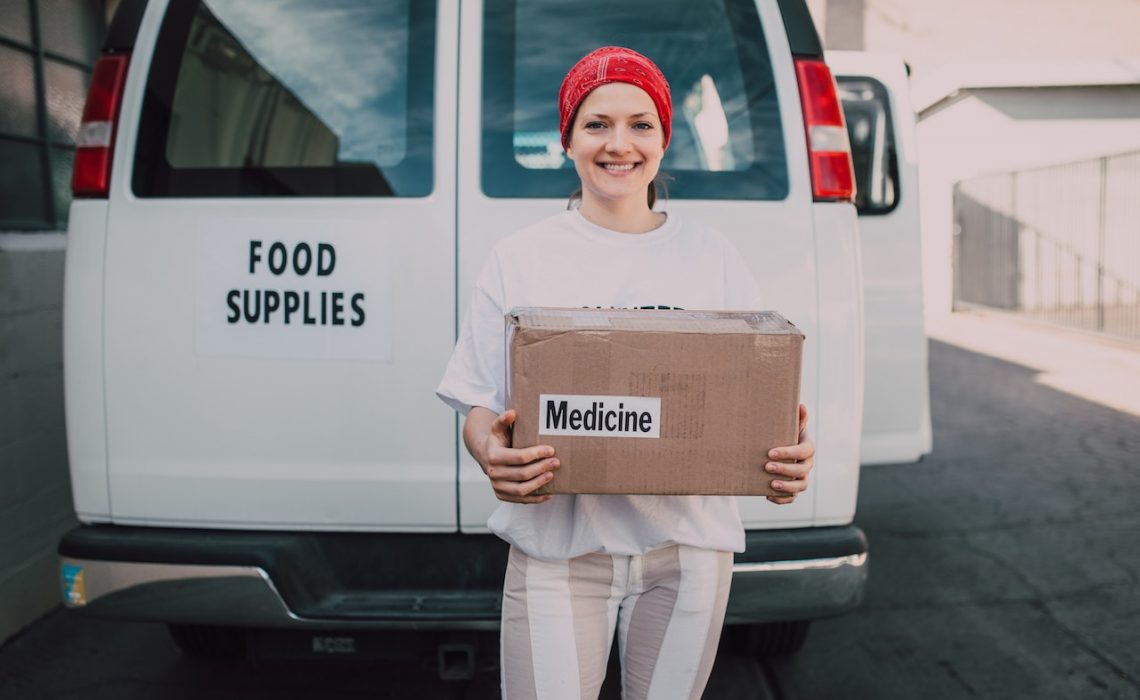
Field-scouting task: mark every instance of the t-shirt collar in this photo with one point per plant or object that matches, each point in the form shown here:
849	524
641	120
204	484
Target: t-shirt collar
657	235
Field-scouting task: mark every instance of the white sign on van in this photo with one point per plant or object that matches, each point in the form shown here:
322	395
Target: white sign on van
293	289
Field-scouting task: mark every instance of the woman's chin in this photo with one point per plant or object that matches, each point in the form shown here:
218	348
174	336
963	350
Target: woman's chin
616	195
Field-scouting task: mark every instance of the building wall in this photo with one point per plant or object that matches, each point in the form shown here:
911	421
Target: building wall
35	492
929	35
47	49
1002	130
843	24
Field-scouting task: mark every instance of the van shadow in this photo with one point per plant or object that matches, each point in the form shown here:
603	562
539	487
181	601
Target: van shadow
1007	450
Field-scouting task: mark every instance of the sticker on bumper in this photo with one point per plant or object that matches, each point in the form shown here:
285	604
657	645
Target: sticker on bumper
74	587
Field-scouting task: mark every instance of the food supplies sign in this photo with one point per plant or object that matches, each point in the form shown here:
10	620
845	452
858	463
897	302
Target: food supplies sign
293	289
599	416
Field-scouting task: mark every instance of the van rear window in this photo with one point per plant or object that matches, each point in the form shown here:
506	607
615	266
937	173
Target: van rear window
727	138
867	111
289	98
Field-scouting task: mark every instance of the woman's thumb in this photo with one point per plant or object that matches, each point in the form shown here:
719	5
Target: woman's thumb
504	422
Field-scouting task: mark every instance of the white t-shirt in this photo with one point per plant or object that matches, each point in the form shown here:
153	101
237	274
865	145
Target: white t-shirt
566	261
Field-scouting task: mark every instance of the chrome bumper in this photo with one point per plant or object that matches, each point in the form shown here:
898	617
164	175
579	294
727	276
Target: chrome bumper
803	589
447	581
244	596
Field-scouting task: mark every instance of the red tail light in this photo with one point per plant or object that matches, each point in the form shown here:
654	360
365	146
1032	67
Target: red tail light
92	174
832	174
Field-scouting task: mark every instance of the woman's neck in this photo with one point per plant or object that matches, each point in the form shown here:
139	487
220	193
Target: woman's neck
625	216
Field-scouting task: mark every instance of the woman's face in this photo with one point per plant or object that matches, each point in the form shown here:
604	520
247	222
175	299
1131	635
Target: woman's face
616	142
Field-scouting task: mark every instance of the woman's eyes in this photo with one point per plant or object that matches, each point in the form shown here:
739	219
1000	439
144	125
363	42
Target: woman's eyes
641	126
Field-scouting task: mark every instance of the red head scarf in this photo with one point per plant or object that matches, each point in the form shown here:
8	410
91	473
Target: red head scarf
612	64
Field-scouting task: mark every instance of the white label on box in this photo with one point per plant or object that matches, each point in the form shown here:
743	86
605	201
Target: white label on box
599	416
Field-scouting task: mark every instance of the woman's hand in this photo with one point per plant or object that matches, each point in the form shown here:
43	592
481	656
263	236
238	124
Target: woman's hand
793	479
514	473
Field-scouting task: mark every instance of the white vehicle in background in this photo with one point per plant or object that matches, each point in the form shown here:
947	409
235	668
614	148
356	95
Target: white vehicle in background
280	212
874	90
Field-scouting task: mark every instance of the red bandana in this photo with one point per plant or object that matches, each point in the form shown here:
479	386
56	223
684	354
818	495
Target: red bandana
612	64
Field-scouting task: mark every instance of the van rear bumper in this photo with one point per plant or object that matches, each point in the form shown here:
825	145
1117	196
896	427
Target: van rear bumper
411	581
801	574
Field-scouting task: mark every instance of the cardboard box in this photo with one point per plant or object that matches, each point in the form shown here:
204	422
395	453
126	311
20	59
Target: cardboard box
654	402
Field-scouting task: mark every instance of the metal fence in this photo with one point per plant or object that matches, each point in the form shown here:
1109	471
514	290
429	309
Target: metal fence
1060	243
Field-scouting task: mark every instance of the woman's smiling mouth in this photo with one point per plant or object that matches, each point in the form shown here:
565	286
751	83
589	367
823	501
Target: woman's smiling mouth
618	167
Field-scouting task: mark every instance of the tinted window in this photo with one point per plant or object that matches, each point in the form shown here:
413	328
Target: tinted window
727	139
289	98
869	127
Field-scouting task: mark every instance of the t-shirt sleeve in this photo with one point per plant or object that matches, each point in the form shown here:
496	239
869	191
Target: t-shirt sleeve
475	375
741	289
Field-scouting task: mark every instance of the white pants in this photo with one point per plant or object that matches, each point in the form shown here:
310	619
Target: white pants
559	619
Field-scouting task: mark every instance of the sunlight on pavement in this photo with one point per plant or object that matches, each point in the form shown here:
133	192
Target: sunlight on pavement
1102	370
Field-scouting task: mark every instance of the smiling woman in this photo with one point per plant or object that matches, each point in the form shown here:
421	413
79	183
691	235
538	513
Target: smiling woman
655	567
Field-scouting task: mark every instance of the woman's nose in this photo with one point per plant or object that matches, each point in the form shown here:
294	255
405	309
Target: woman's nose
618	141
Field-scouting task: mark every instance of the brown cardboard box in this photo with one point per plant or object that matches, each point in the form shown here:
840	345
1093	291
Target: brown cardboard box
663	402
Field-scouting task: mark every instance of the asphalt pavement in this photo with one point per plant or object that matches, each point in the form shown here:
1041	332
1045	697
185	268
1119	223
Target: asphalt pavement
1004	565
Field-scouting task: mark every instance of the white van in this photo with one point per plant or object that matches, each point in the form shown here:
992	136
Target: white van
874	90
280	211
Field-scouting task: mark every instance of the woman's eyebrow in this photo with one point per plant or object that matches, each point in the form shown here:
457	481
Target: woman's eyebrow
632	116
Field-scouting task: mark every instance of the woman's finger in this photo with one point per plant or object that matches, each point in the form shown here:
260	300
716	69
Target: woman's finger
516	489
530	500
804	450
803	419
781	500
792	471
525	473
499	455
502	425
787	486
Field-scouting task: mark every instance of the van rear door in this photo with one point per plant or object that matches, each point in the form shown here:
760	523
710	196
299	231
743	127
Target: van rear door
279	276
896	411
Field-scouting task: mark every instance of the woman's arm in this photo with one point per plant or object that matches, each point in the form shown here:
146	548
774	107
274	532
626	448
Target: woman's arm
514	473
795	475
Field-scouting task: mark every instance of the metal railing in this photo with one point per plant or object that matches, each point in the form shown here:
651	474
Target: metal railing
1060	243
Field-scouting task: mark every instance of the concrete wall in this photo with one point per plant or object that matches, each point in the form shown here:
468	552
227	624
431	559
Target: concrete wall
1001	130
842	23
35	491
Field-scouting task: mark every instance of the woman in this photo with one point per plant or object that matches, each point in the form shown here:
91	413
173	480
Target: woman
657	568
